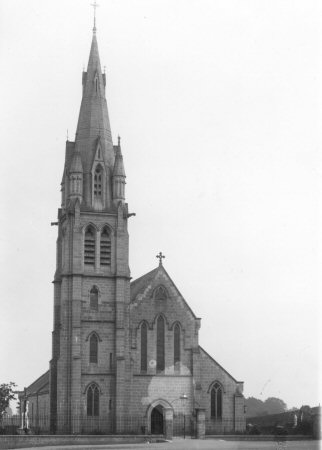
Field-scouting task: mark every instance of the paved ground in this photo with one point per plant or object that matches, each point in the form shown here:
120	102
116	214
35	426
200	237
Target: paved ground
191	444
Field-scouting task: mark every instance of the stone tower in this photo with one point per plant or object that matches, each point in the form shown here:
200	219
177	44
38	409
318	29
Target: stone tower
92	278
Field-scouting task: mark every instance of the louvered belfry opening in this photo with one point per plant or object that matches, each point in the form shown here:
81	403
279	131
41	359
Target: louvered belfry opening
105	254
89	247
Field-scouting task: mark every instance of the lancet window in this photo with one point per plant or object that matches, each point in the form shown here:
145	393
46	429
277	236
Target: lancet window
160	344
93	398
216	401
144	347
93	298
93	348
176	344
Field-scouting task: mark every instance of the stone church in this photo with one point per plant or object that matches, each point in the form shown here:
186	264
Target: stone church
125	354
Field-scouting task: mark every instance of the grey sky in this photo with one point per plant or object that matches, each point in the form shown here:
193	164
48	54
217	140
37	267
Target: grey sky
217	103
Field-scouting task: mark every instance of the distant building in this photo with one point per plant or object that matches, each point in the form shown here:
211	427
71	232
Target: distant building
125	355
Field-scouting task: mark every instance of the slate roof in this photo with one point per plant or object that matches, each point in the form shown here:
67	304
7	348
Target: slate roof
40	385
222	368
138	284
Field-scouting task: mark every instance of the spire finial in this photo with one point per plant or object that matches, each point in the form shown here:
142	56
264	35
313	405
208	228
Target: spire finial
119	140
95	5
160	256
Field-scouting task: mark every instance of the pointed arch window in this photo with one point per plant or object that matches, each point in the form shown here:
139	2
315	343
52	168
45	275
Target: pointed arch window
98	181
160	344
93	398
105	250
89	246
93	298
144	347
176	344
93	348
216	401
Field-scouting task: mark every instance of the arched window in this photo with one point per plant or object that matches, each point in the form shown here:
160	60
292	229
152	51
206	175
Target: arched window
98	180
144	347
216	401
93	399
93	348
176	344
105	253
89	246
160	344
93	298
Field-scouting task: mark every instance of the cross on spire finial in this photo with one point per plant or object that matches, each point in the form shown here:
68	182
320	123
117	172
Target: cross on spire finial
160	256
95	5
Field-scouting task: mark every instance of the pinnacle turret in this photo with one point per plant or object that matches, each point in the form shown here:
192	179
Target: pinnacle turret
76	176
118	175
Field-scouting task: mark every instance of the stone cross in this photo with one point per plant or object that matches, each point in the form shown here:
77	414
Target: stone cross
95	5
160	256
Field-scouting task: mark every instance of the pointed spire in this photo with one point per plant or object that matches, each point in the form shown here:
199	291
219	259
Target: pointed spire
93	117
118	174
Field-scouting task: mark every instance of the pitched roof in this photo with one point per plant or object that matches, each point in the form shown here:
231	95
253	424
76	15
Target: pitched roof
140	283
38	385
207	354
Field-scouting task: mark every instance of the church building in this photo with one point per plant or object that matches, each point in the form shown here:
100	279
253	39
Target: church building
125	354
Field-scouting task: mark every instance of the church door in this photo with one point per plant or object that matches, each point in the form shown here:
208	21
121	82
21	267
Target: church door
157	420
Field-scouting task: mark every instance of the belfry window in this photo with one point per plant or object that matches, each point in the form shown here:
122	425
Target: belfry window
144	347
216	401
93	298
89	246
93	348
105	250
98	181
93	398
176	344
160	344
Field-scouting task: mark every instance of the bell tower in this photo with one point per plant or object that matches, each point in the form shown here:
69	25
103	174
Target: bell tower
90	363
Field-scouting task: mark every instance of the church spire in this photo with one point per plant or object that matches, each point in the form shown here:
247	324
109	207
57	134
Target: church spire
93	127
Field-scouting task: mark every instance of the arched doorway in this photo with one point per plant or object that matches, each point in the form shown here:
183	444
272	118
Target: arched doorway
157	420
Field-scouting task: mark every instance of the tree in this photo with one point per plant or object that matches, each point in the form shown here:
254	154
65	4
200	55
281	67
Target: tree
274	405
254	407
6	394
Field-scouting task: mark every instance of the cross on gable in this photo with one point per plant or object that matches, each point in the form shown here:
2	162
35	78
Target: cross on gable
160	256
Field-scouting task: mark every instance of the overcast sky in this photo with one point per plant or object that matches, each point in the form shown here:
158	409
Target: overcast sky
217	103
